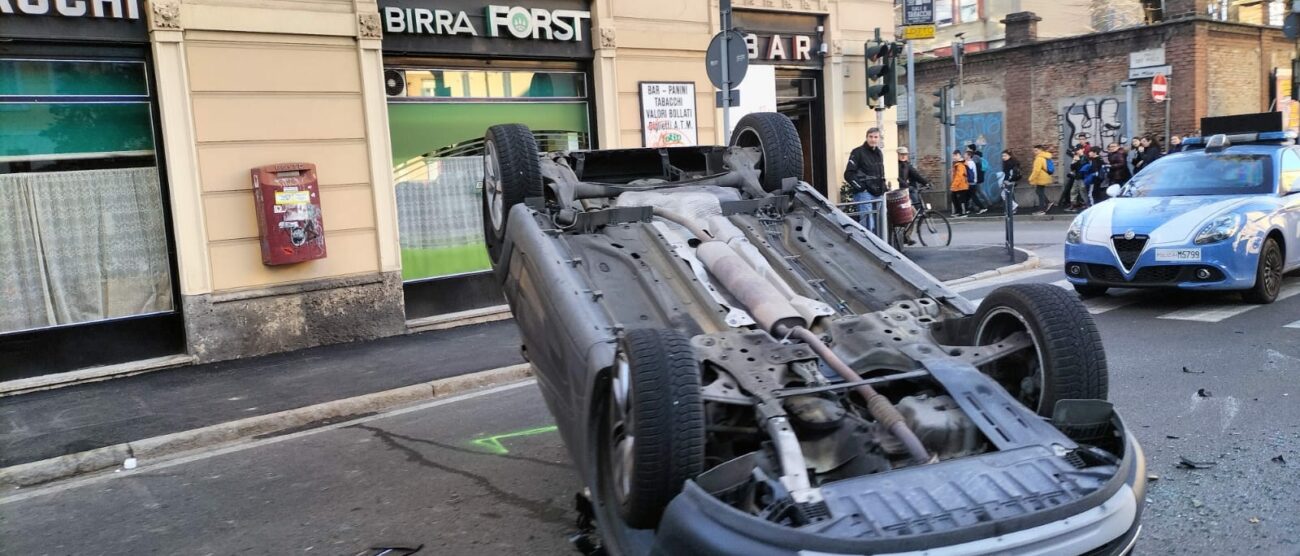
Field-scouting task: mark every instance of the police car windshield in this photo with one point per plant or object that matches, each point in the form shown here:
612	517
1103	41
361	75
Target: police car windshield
1201	173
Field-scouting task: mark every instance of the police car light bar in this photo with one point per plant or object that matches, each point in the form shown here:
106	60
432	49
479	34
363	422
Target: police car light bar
1240	139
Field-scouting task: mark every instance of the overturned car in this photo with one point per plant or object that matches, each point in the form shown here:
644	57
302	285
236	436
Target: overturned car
736	367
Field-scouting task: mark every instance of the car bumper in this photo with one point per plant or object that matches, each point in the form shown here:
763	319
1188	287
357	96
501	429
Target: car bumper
1221	268
697	523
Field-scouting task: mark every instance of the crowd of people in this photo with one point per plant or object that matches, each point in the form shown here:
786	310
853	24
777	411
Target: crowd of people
1092	169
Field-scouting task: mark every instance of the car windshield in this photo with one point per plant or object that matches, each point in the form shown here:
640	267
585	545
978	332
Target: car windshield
1200	173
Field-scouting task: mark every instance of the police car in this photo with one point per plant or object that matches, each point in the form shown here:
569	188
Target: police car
1223	214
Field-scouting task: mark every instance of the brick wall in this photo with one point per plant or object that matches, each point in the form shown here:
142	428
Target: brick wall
1047	89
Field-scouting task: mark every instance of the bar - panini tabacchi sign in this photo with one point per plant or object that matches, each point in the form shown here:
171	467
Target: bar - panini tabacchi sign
500	21
104	9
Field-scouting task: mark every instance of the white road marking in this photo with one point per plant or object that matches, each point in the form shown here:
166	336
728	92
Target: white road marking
1219	313
206	453
1295	324
1107	303
999	280
1063	284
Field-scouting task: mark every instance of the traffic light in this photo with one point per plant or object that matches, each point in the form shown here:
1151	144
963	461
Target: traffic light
941	106
880	69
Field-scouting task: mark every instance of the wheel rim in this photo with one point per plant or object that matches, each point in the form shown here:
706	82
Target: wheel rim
492	187
1021	373
1272	272
747	137
622	441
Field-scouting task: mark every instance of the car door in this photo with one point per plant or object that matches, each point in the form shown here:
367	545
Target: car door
1289	189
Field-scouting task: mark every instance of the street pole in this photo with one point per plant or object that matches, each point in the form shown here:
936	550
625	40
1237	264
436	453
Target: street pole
911	101
1169	100
725	8
1130	115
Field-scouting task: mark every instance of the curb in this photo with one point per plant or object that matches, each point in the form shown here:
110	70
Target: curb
1031	262
1019	218
62	467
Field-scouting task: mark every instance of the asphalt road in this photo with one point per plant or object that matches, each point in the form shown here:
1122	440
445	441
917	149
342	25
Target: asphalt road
418	477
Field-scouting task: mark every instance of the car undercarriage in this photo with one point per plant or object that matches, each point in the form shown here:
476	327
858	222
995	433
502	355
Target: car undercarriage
738	367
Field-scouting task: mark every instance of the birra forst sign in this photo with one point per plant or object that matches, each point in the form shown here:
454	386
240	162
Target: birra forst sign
498	21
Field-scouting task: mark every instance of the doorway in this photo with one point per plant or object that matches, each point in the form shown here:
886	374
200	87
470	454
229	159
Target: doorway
798	98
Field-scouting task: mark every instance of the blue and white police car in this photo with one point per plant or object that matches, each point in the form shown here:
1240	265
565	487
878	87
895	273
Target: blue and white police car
1223	214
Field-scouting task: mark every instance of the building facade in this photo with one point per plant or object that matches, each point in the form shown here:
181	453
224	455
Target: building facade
979	22
129	233
1034	91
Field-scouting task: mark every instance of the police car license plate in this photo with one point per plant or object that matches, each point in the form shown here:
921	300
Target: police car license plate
1177	255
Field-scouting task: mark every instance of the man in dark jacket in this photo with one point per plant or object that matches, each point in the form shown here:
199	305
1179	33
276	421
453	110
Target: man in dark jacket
865	177
1117	159
975	159
909	177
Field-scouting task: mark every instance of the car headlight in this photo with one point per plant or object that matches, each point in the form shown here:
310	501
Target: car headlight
1075	234
1219	229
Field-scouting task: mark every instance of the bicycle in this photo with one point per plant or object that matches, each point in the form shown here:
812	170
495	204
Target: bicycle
931	227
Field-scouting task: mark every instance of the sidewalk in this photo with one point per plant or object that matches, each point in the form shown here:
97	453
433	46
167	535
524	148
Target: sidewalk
39	426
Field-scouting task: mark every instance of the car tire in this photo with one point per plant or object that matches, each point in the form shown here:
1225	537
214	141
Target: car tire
511	173
1090	291
1268	275
662	410
1067	362
778	141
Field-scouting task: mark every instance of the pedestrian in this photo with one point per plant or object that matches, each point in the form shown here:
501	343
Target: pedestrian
1151	151
909	177
960	186
1095	172
1081	140
1132	154
975	161
1075	189
1040	178
865	176
1011	176
1117	172
1175	144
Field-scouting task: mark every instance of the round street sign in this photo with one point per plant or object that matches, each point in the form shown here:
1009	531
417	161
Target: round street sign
1159	87
736	58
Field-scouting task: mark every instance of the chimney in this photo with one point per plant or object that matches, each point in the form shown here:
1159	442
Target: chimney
1022	28
1179	9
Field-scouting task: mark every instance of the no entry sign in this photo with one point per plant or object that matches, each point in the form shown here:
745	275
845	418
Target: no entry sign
1159	87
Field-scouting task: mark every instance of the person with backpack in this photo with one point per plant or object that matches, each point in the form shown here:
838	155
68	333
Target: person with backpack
975	160
1075	197
1094	172
1041	176
865	176
1011	176
962	175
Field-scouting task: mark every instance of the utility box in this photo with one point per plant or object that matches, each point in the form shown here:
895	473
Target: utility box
288	213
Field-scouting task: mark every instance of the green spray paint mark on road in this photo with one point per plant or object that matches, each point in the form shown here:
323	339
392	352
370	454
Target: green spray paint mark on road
493	443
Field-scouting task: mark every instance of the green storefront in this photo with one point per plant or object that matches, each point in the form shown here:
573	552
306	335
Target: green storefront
452	72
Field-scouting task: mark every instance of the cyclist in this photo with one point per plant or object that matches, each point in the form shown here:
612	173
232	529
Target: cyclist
909	177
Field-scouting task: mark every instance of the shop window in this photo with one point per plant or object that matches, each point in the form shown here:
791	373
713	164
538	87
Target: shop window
437	139
82	235
488	85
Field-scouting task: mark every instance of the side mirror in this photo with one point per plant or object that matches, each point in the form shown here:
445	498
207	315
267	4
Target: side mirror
1113	190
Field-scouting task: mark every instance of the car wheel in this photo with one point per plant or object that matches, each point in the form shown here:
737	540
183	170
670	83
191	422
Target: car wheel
778	141
511	173
654	432
1067	360
1268	277
1090	291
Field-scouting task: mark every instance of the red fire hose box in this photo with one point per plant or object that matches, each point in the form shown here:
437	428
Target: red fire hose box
288	213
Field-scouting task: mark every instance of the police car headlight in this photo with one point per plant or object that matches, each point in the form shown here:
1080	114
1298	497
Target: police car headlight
1219	229
1075	234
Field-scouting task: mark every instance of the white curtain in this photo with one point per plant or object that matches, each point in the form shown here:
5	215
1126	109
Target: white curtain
81	246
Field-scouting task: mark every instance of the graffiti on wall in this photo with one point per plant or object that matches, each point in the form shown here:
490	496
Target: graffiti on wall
985	132
1100	119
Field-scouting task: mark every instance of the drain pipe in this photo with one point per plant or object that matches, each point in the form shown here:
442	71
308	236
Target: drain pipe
878	405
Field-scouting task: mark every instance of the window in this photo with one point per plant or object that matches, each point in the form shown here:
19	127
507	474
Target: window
486	85
82	235
1290	181
943	12
968	11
